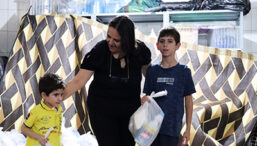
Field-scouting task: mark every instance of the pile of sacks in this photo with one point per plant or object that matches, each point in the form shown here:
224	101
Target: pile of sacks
70	136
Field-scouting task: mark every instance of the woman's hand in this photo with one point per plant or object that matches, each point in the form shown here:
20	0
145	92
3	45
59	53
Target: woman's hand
77	82
144	99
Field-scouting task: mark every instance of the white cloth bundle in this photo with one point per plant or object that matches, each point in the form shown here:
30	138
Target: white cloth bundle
70	136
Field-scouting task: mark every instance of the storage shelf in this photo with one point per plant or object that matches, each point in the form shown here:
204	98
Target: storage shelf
206	16
214	15
136	17
156	20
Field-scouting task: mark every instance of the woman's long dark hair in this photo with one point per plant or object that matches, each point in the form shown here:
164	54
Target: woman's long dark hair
126	29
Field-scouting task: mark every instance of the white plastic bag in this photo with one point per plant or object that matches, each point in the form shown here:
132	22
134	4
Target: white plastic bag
145	123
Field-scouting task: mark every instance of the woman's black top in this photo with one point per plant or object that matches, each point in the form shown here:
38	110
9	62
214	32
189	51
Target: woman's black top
114	89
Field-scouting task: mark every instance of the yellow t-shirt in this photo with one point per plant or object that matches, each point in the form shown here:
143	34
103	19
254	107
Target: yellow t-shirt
40	119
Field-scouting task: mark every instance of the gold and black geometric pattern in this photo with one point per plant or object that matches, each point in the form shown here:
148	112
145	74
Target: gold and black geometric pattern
48	43
225	108
225	103
43	44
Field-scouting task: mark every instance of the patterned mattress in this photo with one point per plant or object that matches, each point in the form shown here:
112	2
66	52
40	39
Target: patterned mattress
226	81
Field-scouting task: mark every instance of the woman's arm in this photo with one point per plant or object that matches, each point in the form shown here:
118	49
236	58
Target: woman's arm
77	82
144	68
28	132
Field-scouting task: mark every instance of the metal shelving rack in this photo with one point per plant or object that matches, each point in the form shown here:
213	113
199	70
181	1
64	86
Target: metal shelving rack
166	18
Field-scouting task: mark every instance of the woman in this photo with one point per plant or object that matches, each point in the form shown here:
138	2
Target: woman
114	93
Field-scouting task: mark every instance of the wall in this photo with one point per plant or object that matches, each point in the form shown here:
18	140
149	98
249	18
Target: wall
250	29
11	11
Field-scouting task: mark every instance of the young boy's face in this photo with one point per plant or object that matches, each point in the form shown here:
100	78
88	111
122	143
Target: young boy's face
54	98
167	45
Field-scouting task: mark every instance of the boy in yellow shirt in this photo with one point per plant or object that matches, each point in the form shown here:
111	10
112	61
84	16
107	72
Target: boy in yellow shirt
47	114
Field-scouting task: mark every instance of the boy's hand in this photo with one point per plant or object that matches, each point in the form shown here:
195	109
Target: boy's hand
42	140
144	99
186	138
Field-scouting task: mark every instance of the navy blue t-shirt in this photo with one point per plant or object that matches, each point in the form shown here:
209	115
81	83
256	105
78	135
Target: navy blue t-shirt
178	81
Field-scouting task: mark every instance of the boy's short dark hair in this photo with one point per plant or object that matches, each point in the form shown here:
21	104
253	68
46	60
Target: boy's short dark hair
50	82
170	31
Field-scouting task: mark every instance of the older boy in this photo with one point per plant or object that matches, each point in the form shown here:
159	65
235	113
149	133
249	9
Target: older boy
176	78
